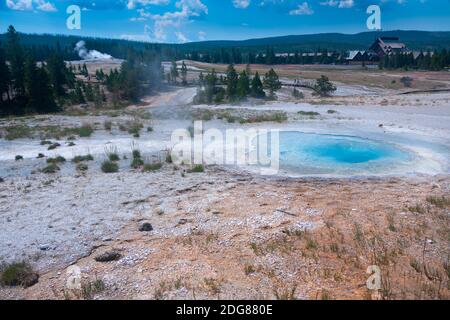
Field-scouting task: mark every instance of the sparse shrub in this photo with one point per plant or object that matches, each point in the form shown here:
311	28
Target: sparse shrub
45	142
136	154
82	167
407	81
418	209
18	274
331	111
309	113
249	269
107	125
440	202
79	159
137	163
18	132
91	288
85	130
169	158
311	244
71	144
112	154
149	129
18	158
58	159
286	293
51	168
109	167
416	265
150	167
53	146
199	168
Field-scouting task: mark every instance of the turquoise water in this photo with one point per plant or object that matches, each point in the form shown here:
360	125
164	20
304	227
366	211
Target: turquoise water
332	154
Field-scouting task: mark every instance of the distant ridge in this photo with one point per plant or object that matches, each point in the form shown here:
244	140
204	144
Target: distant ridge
416	40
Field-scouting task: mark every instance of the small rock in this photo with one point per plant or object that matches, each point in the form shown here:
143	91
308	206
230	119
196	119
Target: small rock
108	256
2	180
146	227
44	247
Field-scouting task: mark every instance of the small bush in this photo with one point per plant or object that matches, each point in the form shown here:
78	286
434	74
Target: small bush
440	202
150	167
169	158
136	154
79	159
51	168
18	274
56	160
18	132
82	167
149	129
107	125
197	169
113	157
331	111
45	142
109	167
137	163
309	113
18	158
53	146
85	130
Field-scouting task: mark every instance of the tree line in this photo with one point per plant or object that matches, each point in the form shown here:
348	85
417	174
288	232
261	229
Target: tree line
424	61
435	61
233	86
28	86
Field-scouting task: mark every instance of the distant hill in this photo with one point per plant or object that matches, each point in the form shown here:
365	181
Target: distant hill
415	40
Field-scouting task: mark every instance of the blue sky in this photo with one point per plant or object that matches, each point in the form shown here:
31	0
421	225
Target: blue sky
194	20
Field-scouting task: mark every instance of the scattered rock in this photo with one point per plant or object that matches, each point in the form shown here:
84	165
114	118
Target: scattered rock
44	247
2	180
108	256
146	227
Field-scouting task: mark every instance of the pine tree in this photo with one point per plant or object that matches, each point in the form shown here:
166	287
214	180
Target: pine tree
272	82
232	79
5	80
38	89
257	90
57	70
184	74
15	56
324	87
243	85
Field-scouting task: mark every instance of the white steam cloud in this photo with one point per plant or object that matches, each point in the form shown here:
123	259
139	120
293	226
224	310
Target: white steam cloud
86	54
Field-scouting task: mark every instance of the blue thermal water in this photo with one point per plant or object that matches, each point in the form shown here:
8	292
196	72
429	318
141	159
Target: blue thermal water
332	154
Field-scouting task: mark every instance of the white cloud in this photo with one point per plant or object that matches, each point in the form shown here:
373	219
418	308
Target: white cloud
302	9
187	10
29	5
181	37
241	4
201	35
339	4
132	3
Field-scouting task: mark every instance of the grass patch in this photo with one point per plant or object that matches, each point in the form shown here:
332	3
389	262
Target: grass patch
79	159
151	167
82	167
85	130
199	168
51	168
18	274
440	202
56	160
309	113
109	167
18	132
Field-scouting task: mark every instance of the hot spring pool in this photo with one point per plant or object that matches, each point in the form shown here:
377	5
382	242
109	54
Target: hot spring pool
321	154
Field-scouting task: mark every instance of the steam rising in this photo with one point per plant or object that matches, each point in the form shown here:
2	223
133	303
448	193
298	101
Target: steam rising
86	54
